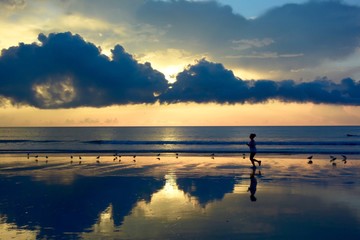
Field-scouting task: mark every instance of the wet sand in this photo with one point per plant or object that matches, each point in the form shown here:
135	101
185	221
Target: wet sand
184	197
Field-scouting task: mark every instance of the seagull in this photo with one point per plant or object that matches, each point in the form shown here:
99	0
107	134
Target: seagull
310	159
332	158
98	157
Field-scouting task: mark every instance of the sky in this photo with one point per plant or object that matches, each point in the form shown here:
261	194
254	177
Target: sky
179	62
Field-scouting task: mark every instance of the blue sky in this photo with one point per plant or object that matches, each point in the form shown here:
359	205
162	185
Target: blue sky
254	8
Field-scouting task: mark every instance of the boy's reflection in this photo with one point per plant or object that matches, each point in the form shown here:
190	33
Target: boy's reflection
253	184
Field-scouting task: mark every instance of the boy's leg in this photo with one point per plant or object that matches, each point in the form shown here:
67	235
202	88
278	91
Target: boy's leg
252	155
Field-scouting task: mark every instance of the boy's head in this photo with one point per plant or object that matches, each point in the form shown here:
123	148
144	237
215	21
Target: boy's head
252	135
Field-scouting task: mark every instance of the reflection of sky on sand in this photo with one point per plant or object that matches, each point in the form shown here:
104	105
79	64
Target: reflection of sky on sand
185	198
11	231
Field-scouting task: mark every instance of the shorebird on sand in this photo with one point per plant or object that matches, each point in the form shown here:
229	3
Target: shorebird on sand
310	159
332	159
344	159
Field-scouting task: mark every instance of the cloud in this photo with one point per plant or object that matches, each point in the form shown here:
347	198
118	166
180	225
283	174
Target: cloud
65	71
194	24
206	82
292	36
12	4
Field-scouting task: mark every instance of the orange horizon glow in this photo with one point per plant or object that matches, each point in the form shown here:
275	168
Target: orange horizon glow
267	114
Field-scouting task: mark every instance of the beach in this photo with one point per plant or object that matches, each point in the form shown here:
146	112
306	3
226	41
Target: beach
178	196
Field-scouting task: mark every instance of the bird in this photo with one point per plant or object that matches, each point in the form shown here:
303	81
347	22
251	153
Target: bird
344	159
115	158
71	162
177	155
80	158
80	162
98	157
98	161
71	157
158	158
158	154
310	159
46	157
243	155
28	155
213	155
332	158
46	161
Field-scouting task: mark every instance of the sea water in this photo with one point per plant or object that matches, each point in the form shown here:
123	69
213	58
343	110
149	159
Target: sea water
194	140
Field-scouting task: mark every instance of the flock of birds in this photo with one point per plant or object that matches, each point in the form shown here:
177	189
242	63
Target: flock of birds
332	159
117	158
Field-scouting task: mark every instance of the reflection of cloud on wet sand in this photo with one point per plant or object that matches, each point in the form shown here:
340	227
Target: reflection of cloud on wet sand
278	213
189	197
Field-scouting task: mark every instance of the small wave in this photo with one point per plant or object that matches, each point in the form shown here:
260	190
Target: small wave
29	141
279	143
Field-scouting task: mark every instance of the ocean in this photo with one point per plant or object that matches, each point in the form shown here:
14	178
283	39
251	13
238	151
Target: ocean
191	140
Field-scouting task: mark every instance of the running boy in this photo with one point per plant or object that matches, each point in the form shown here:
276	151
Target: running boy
252	146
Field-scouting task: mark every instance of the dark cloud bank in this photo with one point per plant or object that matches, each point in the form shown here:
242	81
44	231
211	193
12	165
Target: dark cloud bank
65	71
292	36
